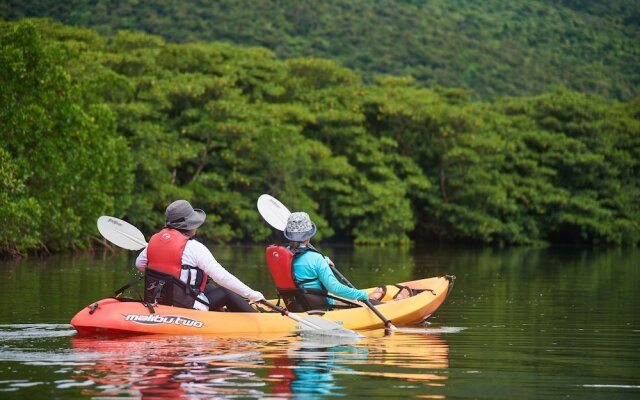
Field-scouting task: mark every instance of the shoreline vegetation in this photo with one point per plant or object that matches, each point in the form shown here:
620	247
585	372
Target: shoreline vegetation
123	125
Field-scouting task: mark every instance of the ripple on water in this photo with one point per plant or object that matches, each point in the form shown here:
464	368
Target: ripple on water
11	332
431	331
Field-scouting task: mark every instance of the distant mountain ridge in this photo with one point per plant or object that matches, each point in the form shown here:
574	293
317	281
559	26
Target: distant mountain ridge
492	47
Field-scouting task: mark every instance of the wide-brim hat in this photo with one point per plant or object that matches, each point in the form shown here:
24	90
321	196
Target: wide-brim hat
299	227
180	215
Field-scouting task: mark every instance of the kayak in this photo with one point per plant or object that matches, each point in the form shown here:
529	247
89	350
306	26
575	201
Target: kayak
115	316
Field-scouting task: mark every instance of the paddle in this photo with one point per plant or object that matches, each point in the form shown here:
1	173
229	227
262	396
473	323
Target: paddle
387	323
274	212
121	233
315	323
276	215
127	236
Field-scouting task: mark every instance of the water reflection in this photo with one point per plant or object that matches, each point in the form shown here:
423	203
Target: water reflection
309	366
414	357
170	367
314	367
539	324
257	366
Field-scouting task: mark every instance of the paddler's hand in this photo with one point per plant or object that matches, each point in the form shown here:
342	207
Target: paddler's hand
256	297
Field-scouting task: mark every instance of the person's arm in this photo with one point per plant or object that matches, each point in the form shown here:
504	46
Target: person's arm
206	262
142	261
334	286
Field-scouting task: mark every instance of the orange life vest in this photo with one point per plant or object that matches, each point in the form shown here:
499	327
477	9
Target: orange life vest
164	254
163	281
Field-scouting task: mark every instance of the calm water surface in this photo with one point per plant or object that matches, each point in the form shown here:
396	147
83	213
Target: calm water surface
520	323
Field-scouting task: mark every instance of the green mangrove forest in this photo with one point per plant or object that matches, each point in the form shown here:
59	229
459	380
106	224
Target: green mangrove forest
122	123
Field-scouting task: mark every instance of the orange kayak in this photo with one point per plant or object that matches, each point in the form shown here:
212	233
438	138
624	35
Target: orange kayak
126	316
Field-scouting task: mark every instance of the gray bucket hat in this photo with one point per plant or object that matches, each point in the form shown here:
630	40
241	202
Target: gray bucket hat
299	227
180	215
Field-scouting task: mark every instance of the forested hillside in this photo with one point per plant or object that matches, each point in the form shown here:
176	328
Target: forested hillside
122	126
490	47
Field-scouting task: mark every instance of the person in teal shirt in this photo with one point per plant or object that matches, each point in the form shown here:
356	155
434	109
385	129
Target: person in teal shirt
311	269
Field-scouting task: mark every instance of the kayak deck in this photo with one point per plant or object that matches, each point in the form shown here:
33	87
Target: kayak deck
113	316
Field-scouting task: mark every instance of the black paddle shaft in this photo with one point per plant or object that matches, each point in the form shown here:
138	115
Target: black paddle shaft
387	323
281	310
341	277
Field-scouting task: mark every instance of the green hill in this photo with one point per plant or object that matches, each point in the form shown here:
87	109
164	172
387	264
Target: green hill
490	47
122	126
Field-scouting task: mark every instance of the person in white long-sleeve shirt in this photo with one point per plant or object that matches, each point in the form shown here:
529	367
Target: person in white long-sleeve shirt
176	267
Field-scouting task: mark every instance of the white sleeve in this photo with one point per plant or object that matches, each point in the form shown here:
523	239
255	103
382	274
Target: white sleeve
142	261
203	259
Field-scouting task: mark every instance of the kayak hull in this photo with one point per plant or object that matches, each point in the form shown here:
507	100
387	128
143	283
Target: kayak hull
114	316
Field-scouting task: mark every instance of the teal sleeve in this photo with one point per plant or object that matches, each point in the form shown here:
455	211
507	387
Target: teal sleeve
331	283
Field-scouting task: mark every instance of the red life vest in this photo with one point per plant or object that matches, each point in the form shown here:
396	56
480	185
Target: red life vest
164	254
280	262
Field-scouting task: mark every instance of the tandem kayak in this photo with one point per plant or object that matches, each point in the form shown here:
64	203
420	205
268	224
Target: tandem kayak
127	316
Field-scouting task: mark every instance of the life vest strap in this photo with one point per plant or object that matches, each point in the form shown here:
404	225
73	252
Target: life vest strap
302	282
156	293
163	288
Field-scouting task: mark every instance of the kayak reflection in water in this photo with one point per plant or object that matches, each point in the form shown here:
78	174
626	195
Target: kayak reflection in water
167	367
176	267
256	366
312	367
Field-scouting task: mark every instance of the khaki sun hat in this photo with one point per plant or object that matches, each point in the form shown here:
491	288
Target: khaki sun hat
180	215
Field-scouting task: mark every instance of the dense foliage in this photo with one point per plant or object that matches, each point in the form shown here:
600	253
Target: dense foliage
126	125
491	47
61	163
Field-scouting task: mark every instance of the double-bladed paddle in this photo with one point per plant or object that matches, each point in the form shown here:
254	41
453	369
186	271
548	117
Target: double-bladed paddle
276	215
123	234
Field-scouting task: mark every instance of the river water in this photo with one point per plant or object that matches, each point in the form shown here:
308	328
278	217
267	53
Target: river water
519	324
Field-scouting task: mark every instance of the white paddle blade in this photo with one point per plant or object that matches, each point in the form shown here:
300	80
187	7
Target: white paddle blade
121	233
273	211
325	327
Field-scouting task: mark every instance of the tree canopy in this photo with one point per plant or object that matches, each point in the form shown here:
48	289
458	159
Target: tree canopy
491	47
62	162
124	125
